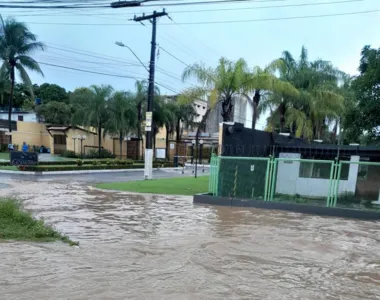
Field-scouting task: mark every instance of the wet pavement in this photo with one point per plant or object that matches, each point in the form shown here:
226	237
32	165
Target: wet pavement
164	247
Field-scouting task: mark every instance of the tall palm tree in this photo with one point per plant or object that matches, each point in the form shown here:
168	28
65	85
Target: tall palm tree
122	116
91	107
226	81
305	114
16	44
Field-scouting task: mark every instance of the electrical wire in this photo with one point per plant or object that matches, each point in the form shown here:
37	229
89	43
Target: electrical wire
221	21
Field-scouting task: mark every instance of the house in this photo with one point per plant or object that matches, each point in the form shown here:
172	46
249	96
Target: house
304	168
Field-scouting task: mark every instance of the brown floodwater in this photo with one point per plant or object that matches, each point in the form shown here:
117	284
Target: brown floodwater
156	247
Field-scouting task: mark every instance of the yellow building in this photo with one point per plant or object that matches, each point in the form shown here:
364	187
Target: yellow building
73	138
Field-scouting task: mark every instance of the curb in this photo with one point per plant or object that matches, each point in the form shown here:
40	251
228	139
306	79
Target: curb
81	171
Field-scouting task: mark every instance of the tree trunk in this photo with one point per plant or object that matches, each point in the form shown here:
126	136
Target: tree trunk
227	109
335	131
282	110
256	101
121	144
167	143
100	139
139	121
177	139
10	103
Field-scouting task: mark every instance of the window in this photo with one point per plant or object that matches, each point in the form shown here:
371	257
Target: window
20	118
59	139
321	170
363	172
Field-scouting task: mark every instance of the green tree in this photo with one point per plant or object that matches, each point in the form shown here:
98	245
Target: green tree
4	86
91	108
363	115
317	103
226	81
16	45
52	92
122	116
57	113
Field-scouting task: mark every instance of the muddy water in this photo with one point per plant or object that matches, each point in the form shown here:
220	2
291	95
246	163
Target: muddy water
154	247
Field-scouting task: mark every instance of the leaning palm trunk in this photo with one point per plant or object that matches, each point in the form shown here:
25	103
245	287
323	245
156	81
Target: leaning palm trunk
282	110
167	143
10	103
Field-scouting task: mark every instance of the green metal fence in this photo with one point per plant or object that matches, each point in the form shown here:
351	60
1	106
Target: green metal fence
329	183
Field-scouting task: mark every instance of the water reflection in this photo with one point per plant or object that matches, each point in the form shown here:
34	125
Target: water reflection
153	247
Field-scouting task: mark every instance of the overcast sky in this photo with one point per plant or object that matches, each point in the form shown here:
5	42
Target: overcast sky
338	39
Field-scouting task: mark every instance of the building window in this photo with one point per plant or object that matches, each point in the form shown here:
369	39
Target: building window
204	107
20	118
59	139
321	170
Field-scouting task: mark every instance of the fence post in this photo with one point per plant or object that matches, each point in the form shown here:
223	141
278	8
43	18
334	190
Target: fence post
337	183
211	180
235	180
217	175
267	178
274	178
331	183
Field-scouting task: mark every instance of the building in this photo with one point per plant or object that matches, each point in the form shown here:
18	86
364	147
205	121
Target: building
304	169
18	115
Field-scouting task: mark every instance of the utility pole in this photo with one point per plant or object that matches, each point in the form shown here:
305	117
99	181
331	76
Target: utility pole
148	170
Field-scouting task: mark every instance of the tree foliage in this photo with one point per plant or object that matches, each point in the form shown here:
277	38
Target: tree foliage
57	113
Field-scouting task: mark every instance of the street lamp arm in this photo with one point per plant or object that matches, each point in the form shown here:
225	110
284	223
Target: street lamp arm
121	44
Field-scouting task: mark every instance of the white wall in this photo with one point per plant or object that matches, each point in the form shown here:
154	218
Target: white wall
289	183
28	117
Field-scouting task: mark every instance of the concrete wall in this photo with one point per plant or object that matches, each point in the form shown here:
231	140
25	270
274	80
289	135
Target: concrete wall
289	183
32	134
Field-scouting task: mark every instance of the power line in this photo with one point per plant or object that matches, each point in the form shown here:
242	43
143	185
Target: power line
221	21
176	58
105	74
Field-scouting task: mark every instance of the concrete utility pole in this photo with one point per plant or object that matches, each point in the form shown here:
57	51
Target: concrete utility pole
148	158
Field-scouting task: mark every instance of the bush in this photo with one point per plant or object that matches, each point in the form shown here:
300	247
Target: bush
69	154
104	153
109	162
79	162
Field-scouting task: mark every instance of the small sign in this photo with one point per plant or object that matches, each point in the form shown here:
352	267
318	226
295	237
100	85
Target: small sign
148	119
148	128
288	162
19	158
252	168
171	146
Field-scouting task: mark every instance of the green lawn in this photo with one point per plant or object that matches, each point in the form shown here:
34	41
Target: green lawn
8	168
4	155
16	224
169	186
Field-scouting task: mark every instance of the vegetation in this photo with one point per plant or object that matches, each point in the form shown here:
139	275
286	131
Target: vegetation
16	224
308	98
171	186
16	45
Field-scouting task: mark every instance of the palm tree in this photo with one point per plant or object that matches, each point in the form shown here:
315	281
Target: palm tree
226	81
16	44
122	116
91	107
263	83
317	101
4	86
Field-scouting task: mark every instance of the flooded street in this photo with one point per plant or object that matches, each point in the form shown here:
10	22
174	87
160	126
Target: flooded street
156	247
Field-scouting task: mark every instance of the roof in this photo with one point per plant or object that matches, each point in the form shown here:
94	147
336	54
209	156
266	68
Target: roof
66	128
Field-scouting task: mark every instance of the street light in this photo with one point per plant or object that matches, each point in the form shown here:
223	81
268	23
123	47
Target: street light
74	139
200	155
81	138
121	44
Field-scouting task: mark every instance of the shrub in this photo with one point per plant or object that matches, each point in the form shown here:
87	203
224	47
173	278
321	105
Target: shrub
79	162
69	154
109	162
116	161
104	153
